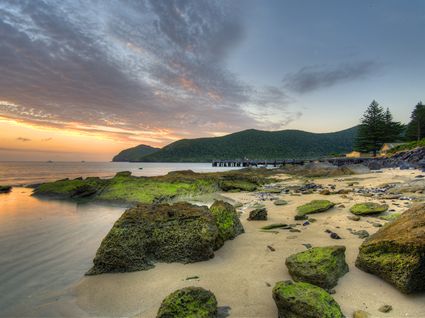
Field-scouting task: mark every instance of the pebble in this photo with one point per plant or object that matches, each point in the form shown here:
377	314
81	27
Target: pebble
385	308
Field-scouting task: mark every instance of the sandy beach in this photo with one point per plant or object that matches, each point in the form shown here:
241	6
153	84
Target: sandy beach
243	272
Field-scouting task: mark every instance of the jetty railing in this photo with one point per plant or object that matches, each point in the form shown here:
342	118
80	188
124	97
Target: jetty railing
279	162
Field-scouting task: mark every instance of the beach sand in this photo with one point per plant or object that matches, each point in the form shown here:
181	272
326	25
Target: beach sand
244	271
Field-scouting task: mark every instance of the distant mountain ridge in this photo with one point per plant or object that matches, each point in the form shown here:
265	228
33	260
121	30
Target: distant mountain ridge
135	153
256	144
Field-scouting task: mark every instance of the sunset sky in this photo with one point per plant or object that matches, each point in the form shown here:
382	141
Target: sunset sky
82	80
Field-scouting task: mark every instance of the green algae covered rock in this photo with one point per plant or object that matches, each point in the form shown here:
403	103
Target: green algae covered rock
146	234
368	208
189	302
315	206
259	214
321	266
227	220
396	253
237	185
390	217
303	300
5	189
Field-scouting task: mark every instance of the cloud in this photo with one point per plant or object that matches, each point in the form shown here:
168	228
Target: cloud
125	68
47	139
23	139
312	78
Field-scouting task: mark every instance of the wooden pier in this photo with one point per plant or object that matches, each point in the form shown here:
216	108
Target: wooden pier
276	163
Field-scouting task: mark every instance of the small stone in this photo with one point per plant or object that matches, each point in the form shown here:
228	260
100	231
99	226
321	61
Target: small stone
360	314
307	245
385	308
294	231
271	248
300	217
280	202
353	217
291	237
258	215
335	236
306	223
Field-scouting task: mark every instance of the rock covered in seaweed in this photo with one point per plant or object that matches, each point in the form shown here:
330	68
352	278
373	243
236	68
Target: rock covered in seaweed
303	300
367	208
146	234
189	302
396	253
5	189
227	220
259	214
315	206
320	266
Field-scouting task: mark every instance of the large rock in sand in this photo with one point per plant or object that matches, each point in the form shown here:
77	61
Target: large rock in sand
315	206
367	208
227	220
321	266
189	302
147	234
396	252
303	300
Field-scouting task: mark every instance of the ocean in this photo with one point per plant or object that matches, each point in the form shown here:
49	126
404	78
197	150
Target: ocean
46	246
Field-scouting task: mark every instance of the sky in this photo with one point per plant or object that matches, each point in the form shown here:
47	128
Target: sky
82	80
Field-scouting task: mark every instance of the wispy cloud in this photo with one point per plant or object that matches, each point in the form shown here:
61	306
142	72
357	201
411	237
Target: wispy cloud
120	68
312	78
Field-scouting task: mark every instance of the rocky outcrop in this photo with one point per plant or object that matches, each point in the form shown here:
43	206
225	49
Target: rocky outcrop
303	300
227	220
396	252
367	208
147	234
321	266
189	302
5	189
259	214
315	206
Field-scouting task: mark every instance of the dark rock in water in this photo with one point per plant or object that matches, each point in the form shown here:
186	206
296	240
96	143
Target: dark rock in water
320	266
146	234
303	300
227	220
374	165
5	189
259	214
189	302
396	252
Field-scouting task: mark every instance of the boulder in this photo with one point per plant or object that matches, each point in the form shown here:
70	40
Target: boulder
315	206
303	300
396	253
189	302
280	202
5	189
320	266
149	233
259	214
227	221
367	208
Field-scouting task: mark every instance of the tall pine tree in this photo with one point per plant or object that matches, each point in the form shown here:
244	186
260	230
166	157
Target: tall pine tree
393	130
416	127
376	128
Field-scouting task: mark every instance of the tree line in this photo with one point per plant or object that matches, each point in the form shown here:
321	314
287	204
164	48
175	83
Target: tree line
378	127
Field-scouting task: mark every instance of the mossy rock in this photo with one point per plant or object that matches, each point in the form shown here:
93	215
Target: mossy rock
146	234
320	266
5	189
396	253
304	300
259	214
237	185
390	217
189	302
368	208
315	206
227	220
280	202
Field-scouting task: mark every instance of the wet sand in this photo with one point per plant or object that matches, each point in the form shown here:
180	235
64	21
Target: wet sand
243	272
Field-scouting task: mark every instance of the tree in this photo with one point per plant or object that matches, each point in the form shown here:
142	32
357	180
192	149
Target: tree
393	130
375	124
416	127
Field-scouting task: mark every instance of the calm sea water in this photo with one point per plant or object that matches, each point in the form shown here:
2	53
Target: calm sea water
46	246
16	173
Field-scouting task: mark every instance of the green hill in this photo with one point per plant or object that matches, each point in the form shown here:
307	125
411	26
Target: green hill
135	153
257	144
